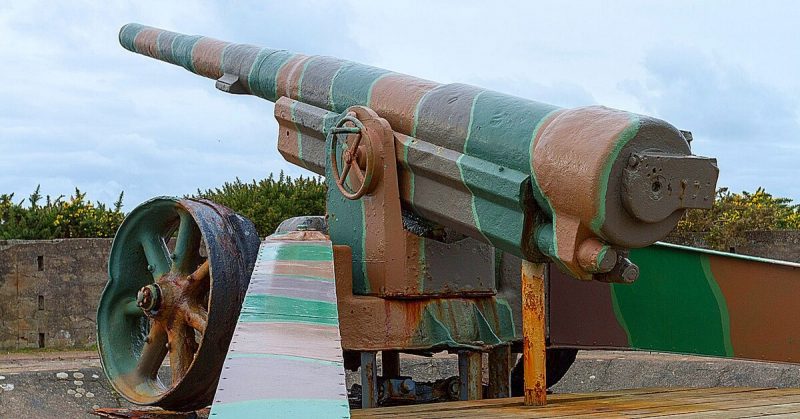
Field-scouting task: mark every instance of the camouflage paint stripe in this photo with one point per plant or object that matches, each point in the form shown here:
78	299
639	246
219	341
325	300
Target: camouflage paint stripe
292	408
462	170
317	81
287	336
287	357
305	289
263	75
238	59
317	341
452	103
626	135
298	252
699	317
207	58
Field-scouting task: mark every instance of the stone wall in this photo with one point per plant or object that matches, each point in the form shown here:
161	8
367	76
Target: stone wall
779	244
49	292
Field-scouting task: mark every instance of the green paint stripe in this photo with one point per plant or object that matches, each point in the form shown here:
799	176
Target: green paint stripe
292	110
306	277
298	252
675	306
618	314
622	139
407	166
286	357
541	198
282	408
725	319
270	308
371	87
460	166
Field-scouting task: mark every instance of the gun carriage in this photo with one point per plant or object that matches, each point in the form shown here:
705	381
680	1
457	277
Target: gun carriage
451	211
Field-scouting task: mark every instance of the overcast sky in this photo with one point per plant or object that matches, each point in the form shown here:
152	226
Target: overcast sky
76	109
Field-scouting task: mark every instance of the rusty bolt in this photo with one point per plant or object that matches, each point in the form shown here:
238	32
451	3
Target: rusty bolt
149	297
633	161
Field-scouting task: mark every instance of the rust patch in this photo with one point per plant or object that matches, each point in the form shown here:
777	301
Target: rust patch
533	333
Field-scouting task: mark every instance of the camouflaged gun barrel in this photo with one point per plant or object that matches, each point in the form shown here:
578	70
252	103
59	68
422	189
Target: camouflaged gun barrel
578	185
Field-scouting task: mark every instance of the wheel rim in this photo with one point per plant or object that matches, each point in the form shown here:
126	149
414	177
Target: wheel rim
176	303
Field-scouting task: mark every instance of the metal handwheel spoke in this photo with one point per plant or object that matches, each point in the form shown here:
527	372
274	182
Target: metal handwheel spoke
351	149
182	347
201	275
357	171
157	254
186	302
153	352
343	176
187	244
196	317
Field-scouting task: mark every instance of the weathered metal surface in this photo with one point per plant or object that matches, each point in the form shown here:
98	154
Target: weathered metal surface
285	359
470	374
676	403
417	324
687	301
182	302
534	333
499	372
500	151
369	380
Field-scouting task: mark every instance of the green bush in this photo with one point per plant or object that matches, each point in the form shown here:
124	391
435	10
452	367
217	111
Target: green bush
733	214
58	218
269	201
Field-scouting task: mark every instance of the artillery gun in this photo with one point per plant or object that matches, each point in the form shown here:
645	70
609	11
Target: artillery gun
451	212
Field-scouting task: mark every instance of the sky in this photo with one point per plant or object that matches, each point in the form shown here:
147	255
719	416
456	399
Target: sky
77	110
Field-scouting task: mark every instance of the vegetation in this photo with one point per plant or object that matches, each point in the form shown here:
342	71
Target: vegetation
269	201
733	214
57	218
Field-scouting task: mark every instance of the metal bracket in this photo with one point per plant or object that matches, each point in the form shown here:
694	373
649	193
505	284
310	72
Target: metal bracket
229	83
655	185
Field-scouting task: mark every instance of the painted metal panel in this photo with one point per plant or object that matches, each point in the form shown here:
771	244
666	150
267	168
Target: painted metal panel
285	359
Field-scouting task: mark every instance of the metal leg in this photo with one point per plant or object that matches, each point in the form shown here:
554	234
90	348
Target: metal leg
469	373
500	372
390	364
369	380
533	333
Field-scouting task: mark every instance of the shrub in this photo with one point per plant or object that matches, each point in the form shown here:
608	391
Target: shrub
269	201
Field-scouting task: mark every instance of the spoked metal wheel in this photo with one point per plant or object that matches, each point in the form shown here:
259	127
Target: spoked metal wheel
178	272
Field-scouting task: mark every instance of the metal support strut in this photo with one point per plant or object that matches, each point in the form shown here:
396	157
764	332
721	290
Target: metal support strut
469	373
533	333
369	380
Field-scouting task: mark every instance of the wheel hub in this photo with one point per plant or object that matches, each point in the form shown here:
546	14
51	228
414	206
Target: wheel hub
149	298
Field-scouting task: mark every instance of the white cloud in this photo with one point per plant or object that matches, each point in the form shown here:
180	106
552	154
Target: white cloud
76	109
